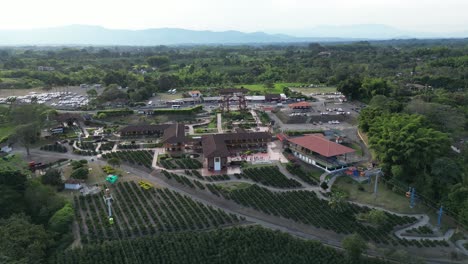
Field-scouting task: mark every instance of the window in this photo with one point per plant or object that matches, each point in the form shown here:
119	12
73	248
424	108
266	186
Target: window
217	159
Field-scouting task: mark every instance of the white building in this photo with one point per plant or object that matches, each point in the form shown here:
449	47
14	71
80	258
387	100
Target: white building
72	184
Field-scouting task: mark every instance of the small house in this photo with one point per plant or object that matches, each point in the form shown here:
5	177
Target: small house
72	184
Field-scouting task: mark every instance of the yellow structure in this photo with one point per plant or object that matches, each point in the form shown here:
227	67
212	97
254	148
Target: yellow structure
145	185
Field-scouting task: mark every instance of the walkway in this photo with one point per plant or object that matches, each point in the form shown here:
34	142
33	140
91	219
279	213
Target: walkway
192	130
219	123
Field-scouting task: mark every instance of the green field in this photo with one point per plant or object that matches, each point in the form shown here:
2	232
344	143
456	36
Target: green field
328	89
262	88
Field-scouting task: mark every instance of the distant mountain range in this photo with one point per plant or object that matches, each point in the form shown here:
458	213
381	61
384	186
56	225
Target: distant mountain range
96	35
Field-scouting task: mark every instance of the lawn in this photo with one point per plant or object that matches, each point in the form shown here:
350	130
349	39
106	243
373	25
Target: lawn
328	89
386	198
6	130
356	147
278	87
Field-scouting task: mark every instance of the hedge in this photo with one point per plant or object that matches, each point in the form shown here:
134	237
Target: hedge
182	111
116	112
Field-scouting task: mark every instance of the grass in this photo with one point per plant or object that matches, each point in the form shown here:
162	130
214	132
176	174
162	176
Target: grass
356	147
96	174
213	123
14	162
328	89
385	198
278	87
6	130
315	173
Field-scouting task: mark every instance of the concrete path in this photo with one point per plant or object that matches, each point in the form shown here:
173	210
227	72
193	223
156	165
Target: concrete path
461	245
219	123
157	152
98	146
75	146
192	130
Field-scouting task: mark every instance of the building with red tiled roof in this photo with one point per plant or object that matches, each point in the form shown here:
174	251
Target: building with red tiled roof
317	150
300	105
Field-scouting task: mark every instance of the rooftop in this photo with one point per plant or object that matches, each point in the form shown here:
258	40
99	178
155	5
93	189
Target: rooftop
319	144
215	145
175	133
300	105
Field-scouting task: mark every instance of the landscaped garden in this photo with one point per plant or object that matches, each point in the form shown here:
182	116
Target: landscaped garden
138	212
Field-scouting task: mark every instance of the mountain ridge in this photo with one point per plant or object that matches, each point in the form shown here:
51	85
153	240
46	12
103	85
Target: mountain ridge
98	35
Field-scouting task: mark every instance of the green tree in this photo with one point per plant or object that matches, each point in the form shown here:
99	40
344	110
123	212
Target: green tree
92	93
41	201
22	241
114	161
400	139
158	61
80	173
354	245
350	87
61	221
374	86
337	201
11	201
27	135
377	217
52	177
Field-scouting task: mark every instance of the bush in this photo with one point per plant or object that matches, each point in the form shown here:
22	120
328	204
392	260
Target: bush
54	148
324	185
80	173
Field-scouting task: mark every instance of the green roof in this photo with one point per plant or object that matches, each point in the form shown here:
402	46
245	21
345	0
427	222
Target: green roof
112	178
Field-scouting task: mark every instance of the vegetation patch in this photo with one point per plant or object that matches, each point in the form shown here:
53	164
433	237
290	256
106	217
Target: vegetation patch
269	176
54	148
302	206
140	212
138	157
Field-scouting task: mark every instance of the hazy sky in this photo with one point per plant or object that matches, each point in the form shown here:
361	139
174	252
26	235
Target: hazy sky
244	15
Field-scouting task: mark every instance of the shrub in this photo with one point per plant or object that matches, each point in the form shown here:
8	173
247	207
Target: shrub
80	173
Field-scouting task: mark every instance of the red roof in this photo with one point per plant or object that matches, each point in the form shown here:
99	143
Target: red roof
282	137
321	145
302	104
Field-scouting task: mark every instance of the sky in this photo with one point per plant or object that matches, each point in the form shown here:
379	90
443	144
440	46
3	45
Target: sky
273	16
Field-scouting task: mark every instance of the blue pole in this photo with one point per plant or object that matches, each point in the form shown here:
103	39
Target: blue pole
412	197
439	219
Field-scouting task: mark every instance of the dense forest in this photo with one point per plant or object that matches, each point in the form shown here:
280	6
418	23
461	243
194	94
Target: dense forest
379	68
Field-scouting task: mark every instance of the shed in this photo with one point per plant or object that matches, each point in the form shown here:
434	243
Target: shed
72	184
